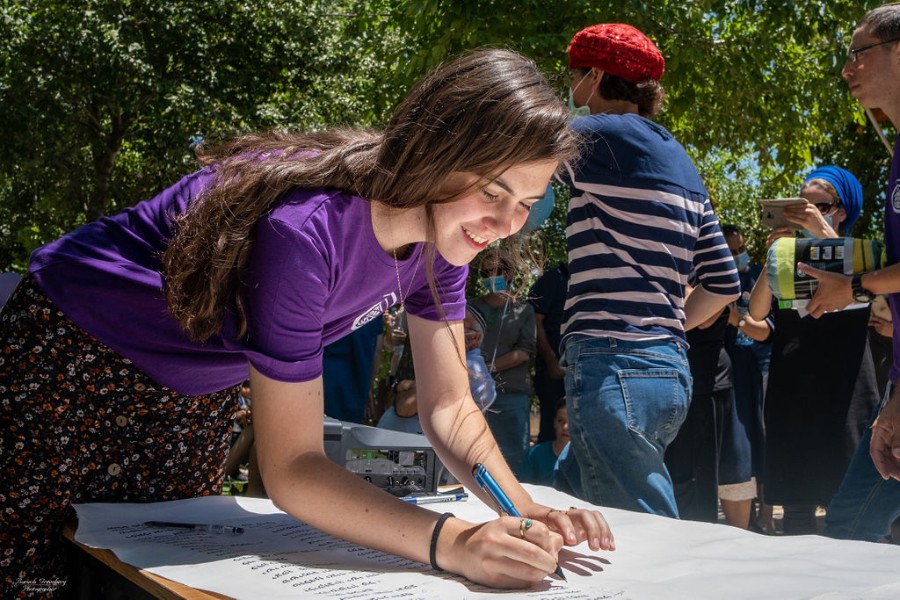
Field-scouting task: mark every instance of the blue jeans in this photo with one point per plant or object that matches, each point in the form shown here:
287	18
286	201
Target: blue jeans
509	420
865	504
567	474
626	401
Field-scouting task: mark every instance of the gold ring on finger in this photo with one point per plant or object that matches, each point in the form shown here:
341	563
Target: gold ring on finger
524	525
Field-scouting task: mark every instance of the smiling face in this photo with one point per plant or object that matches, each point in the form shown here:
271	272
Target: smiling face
873	77
490	209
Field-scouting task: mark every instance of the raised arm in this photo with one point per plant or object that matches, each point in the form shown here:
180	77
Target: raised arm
761	296
760	299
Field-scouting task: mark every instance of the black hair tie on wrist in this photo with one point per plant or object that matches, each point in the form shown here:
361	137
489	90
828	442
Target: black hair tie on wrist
434	539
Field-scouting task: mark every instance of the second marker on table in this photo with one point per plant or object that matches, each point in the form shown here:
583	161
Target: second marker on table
435	498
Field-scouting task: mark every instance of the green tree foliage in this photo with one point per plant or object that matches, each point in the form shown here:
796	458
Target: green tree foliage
101	100
754	87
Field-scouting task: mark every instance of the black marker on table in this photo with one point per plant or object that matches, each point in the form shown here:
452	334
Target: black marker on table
487	482
207	527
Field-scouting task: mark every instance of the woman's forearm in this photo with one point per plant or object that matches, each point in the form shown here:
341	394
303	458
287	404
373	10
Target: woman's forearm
468	441
760	299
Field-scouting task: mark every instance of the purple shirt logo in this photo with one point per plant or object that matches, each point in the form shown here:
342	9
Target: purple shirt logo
376	311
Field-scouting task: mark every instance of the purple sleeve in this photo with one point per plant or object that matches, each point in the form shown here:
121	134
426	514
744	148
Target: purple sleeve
285	290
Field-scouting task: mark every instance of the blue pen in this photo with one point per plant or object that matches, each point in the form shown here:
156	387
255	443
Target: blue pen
435	498
487	482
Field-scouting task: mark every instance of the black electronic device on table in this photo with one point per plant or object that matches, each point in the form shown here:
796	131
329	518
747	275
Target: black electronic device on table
401	463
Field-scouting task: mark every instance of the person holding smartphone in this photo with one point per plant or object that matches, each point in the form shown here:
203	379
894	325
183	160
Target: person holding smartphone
815	416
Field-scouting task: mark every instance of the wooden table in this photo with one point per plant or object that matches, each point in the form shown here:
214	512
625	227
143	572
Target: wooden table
99	570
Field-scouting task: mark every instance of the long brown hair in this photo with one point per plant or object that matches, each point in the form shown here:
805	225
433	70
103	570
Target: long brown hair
481	113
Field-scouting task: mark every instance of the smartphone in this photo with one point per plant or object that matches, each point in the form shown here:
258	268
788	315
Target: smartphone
773	211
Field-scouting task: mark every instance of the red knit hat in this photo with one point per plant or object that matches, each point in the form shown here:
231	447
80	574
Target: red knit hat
617	49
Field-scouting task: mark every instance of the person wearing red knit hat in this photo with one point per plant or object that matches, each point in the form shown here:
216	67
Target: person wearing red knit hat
639	224
614	62
619	49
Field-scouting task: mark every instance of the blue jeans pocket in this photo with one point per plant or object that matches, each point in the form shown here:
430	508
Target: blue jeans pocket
655	402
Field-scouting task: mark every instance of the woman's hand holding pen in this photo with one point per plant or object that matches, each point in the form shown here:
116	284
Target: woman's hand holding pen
494	553
500	553
576	525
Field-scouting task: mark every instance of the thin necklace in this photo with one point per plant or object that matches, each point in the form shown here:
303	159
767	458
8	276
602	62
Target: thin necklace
396	262
397	269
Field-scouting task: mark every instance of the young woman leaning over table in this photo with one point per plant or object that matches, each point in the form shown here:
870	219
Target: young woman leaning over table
123	349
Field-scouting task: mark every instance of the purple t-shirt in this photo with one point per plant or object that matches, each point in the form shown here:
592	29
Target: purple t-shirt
315	273
892	247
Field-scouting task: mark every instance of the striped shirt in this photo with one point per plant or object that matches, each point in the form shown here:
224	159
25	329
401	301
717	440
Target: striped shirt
639	224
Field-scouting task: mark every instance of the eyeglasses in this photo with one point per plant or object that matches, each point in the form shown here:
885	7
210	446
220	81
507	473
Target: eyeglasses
853	53
828	208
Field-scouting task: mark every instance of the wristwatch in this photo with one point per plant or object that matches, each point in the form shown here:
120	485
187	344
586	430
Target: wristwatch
741	322
860	294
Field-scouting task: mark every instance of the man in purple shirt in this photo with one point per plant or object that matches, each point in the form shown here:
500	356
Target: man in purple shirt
868	500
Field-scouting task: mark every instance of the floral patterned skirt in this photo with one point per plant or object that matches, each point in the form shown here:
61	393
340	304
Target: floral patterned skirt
80	423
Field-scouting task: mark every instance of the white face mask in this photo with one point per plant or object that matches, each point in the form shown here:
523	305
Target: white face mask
809	234
579	111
